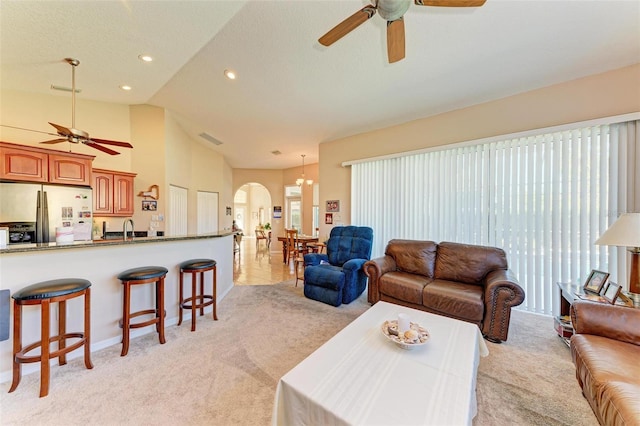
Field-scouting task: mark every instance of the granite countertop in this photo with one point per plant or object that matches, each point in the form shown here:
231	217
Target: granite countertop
23	248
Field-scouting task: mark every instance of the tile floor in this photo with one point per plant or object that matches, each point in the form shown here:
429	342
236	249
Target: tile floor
259	265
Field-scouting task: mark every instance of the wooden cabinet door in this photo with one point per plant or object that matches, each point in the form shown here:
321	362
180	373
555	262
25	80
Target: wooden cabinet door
112	193
102	193
23	165
122	195
69	169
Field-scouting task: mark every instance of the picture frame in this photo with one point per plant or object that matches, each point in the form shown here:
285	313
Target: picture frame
333	206
328	218
596	281
149	205
612	293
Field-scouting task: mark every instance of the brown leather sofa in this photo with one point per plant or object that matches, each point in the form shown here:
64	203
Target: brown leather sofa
467	282
605	348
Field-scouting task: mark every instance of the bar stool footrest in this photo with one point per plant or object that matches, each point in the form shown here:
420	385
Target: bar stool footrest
153	320
23	358
200	304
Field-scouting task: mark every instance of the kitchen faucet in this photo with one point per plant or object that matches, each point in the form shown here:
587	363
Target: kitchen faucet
124	229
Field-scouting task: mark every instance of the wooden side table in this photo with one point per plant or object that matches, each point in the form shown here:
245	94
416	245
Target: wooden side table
562	324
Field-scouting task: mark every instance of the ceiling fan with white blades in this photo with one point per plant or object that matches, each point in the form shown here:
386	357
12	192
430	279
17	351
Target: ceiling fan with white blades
73	135
392	11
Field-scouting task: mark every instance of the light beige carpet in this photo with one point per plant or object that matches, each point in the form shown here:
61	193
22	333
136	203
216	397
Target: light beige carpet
226	372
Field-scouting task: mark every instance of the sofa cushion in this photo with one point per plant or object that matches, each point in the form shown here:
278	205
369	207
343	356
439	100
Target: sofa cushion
607	370
454	299
467	263
403	286
414	257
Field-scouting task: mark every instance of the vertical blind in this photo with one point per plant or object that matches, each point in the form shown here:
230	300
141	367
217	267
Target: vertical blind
544	199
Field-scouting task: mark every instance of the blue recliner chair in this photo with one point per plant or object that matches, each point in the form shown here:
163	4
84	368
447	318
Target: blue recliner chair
342	279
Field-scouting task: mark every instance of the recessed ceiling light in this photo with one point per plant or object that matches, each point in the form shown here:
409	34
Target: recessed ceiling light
125	87
231	75
145	58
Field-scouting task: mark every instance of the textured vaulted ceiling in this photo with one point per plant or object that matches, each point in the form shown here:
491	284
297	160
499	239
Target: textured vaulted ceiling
292	93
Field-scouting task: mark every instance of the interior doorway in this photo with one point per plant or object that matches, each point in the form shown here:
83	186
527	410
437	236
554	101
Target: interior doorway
252	208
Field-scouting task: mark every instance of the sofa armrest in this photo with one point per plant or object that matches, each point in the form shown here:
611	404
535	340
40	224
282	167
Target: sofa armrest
601	319
498	280
353	265
501	292
374	269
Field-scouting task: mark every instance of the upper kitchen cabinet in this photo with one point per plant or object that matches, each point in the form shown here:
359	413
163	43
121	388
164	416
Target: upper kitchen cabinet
33	164
112	193
69	170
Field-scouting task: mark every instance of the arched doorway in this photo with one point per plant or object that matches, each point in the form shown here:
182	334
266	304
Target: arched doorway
252	207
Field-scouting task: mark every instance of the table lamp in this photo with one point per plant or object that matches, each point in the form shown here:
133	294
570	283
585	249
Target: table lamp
625	232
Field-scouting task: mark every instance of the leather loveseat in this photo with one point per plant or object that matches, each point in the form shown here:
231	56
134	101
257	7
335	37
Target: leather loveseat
467	282
605	348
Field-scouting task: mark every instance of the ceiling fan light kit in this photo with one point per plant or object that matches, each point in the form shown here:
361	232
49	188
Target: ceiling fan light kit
393	12
73	135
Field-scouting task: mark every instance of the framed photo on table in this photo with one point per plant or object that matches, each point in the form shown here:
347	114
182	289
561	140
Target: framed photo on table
611	293
595	282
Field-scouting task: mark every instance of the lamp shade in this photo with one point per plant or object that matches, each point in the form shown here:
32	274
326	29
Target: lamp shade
624	232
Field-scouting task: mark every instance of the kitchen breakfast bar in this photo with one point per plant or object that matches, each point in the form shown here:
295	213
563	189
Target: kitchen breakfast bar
100	262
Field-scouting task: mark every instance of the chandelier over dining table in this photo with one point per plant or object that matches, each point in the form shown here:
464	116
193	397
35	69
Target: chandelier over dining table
302	179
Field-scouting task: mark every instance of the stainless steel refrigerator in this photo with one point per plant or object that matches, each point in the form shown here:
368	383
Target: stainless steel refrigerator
38	210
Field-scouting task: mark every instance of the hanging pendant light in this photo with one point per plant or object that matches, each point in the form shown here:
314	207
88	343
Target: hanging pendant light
302	179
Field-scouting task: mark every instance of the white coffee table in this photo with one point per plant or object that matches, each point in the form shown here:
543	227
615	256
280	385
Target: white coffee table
359	377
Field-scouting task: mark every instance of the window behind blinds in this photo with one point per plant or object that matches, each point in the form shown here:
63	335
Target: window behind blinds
544	199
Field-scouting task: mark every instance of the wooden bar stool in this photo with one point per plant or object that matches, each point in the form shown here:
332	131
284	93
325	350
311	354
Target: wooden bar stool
135	276
202	300
44	294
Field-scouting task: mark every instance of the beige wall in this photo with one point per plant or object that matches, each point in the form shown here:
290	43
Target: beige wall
602	95
192	165
147	134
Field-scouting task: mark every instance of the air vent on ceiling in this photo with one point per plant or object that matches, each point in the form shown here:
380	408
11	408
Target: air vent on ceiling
210	138
276	152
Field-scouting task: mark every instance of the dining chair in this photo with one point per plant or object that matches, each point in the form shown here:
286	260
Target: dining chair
292	244
261	235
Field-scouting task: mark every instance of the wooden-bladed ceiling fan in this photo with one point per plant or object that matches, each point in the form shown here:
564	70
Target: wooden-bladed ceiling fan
392	11
71	134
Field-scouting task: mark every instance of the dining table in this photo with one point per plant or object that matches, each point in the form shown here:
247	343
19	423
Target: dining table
302	239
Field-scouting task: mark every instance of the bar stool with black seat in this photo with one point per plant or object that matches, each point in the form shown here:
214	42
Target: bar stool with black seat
197	301
136	276
44	294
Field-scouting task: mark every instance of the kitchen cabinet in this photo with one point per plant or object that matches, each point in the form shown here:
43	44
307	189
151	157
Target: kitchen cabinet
71	170
34	164
112	193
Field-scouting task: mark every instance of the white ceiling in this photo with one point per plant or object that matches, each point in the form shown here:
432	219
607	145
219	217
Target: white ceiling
292	93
